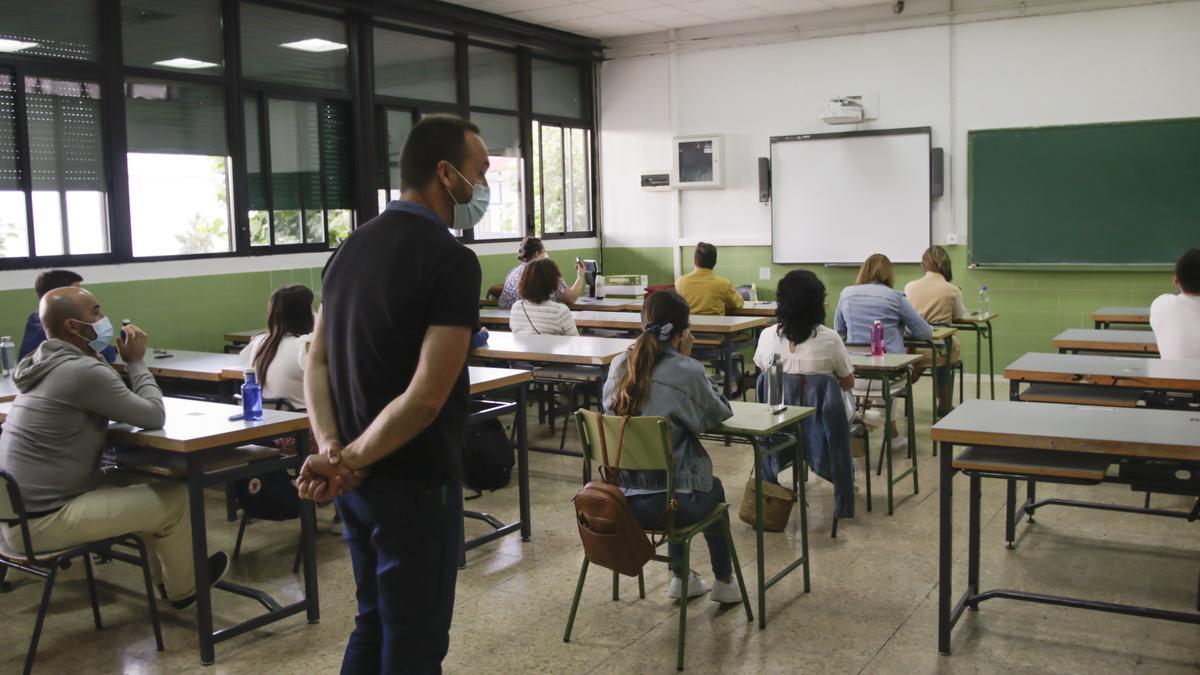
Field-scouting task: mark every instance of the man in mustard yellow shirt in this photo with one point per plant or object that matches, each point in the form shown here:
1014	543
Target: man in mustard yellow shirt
705	292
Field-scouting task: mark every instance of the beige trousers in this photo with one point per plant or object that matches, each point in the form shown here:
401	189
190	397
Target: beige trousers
156	510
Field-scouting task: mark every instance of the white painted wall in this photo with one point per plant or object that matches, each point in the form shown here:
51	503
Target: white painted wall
1114	64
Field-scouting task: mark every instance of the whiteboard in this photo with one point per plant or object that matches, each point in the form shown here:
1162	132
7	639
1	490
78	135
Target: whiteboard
838	198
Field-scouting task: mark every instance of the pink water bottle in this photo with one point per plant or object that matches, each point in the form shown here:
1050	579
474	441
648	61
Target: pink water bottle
877	338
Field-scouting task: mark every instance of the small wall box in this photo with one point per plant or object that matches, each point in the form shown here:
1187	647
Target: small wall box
698	162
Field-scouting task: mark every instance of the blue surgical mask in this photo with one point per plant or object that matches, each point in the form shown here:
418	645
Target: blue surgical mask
104	334
469	214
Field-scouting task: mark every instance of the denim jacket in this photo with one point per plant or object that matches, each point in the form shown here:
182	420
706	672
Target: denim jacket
860	306
681	392
826	435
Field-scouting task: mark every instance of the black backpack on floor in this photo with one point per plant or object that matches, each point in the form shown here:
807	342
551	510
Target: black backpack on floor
487	457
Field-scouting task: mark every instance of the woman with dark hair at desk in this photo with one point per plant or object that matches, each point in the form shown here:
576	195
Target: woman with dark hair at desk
278	355
532	249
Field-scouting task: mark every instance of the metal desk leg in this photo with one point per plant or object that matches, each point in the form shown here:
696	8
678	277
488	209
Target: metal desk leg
973	540
991	338
523	464
759	456
727	357
979	362
887	436
945	532
799	471
308	539
910	423
933	354
204	619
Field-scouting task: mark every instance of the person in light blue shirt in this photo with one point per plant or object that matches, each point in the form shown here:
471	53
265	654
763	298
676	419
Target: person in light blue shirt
872	298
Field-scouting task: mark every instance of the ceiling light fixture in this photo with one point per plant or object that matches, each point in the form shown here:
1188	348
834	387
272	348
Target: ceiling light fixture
185	63
314	45
10	45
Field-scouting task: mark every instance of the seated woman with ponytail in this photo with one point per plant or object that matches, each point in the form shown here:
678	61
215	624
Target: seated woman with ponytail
278	356
658	378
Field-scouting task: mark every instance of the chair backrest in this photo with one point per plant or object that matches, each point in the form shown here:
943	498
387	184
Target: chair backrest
11	506
279	403
744	291
646	447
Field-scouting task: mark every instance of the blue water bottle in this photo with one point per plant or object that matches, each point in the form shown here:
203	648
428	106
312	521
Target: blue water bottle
251	396
877	339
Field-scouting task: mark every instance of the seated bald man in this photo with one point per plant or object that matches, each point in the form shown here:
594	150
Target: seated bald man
56	432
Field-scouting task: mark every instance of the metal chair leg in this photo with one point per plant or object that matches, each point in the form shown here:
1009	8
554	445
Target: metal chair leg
237	545
41	618
616	587
683	603
737	567
575	602
5	586
299	557
91	582
158	638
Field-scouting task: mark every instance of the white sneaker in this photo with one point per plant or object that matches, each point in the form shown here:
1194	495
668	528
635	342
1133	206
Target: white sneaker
725	592
696	586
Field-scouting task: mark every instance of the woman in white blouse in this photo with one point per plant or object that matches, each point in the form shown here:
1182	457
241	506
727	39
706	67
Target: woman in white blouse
278	356
537	312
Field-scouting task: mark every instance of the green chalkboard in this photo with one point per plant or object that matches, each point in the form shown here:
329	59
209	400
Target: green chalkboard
1124	193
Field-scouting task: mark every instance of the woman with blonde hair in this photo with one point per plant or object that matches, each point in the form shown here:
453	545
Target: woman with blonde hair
658	378
939	302
872	298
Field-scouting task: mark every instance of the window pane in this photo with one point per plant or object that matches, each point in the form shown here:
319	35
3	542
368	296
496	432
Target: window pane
493	77
182	35
315	54
577	183
178	170
551	154
13	224
340	223
259	215
64	29
399	123
505	216
66	157
557	89
295	165
411	66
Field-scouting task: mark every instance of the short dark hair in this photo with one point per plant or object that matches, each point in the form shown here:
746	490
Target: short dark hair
539	280
801	298
434	138
52	279
706	255
1187	269
530	247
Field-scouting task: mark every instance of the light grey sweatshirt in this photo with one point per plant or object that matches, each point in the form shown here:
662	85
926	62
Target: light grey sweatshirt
56	430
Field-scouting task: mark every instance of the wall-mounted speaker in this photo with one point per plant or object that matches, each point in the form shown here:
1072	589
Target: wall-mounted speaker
764	179
937	172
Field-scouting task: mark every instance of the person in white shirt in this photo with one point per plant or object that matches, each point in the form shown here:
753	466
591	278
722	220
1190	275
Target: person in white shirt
536	313
278	356
805	345
1176	318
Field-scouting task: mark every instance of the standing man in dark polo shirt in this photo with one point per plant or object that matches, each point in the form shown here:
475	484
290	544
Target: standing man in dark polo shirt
387	394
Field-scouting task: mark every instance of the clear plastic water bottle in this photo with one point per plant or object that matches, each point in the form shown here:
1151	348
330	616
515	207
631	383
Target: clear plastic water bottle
775	384
251	396
753	292
601	292
985	304
877	338
8	356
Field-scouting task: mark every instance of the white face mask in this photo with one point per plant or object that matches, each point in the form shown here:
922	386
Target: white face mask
469	214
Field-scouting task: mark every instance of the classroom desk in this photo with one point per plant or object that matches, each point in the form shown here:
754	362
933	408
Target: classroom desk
754	424
579	350
194	447
981	324
1106	341
1105	317
8	389
748	308
240	338
490	381
942	335
1161	376
888	369
1123	434
208	373
607	304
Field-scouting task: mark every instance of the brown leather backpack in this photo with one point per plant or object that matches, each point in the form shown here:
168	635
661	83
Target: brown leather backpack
612	537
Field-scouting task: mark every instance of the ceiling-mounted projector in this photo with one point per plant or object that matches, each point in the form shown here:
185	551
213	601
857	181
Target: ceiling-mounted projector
843	110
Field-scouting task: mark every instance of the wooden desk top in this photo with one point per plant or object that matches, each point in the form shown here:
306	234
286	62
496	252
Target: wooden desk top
889	363
493	317
199	425
700	324
488	302
576	350
1140	341
241	337
1166	434
1108	371
197	366
760	308
754	419
975	318
607	304
8	390
485	379
1122	314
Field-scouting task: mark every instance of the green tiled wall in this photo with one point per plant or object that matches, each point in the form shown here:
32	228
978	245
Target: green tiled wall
194	312
1034	306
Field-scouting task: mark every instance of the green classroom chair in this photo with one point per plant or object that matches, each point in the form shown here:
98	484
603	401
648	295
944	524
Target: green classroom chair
647	447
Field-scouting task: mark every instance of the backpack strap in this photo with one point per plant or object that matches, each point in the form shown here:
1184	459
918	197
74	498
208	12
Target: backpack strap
607	469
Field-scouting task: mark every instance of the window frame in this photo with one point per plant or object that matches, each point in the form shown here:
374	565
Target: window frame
586	79
463	27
